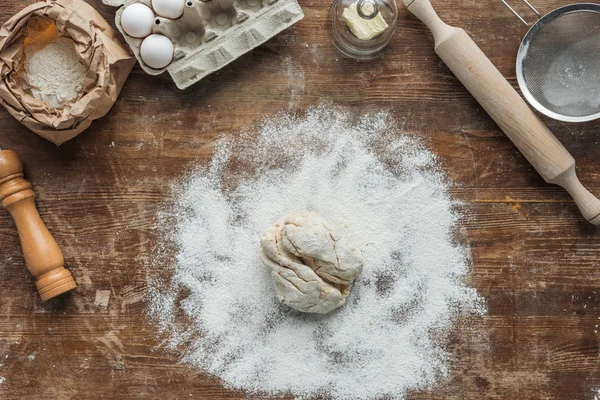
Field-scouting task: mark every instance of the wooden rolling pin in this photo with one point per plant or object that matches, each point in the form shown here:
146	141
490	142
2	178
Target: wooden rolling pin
506	107
42	255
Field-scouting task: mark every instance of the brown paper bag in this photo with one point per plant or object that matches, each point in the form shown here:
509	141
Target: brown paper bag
109	63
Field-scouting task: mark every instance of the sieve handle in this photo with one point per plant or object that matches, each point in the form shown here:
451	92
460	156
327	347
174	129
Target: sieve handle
502	102
512	10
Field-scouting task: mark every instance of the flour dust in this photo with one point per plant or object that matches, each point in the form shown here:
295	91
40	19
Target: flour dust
216	304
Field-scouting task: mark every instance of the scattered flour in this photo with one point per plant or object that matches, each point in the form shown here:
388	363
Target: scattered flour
102	298
55	73
2	380
218	306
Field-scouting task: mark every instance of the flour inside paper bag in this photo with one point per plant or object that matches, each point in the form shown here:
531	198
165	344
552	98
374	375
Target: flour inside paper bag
52	70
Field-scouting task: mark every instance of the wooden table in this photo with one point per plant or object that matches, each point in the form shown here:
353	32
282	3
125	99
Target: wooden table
536	262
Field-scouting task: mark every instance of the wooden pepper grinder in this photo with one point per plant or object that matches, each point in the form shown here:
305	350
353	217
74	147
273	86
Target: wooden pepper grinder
42	255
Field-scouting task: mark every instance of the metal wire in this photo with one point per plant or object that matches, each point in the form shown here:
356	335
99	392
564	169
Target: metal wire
519	15
516	13
533	8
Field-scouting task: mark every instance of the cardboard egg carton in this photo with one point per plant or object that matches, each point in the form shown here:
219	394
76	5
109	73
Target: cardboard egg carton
212	33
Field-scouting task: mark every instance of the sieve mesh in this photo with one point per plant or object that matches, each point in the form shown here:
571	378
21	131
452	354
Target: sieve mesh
559	63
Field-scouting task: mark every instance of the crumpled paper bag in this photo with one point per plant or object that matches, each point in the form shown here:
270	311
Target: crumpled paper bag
109	63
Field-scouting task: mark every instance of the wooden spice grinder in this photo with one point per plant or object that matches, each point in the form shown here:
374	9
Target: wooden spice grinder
497	96
42	255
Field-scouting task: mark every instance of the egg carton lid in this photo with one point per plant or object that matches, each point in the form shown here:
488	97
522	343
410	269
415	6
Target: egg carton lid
189	67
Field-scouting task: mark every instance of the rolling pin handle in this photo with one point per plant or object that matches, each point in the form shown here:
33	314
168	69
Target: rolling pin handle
423	10
588	204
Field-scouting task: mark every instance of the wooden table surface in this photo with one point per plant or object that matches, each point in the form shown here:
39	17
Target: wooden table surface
535	261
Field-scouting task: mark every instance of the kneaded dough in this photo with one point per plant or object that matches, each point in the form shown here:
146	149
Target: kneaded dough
312	264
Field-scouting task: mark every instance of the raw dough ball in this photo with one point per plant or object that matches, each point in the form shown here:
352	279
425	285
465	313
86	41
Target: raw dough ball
312	265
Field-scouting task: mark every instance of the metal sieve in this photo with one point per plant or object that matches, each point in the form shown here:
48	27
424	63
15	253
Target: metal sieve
558	64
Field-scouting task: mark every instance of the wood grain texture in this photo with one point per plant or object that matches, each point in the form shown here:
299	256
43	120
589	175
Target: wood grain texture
535	260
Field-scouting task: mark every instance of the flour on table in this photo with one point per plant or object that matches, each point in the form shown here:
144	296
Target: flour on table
102	298
216	304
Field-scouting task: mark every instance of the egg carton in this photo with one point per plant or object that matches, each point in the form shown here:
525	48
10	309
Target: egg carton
212	33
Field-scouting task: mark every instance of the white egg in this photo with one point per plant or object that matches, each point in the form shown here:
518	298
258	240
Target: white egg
157	51
137	20
169	8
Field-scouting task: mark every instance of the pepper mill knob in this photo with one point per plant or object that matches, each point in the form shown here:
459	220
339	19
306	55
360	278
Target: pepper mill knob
42	255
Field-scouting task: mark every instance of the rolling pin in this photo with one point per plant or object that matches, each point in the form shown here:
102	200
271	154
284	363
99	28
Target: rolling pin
502	102
42	255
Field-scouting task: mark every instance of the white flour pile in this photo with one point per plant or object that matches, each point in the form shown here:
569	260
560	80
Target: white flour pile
219	308
55	75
